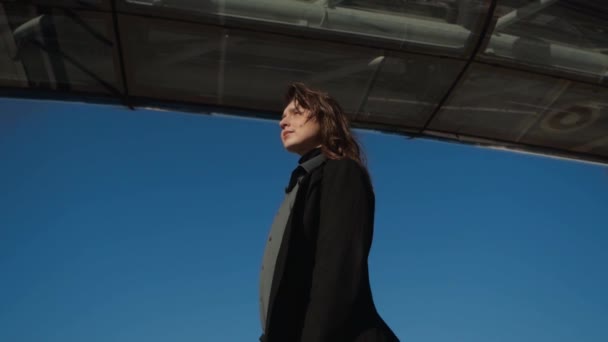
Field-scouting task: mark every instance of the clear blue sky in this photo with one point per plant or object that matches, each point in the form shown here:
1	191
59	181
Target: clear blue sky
120	225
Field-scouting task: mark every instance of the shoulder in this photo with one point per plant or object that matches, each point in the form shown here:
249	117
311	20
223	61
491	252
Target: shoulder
342	165
345	169
345	178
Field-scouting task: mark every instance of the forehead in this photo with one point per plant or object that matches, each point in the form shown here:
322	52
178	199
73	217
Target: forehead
294	106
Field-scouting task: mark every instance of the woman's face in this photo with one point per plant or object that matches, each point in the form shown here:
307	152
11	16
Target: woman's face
300	132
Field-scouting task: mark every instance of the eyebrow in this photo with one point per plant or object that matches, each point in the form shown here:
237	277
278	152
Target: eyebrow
292	110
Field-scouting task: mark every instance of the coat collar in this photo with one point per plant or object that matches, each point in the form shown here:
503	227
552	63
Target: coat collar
309	155
307	164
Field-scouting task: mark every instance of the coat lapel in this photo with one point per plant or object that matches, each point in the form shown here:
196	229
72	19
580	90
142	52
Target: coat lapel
301	196
279	269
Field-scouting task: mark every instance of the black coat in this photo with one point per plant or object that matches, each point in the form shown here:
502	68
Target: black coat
321	290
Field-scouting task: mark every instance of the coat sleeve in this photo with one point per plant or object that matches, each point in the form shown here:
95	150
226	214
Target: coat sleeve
344	237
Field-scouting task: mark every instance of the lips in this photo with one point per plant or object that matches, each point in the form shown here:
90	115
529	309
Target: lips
285	134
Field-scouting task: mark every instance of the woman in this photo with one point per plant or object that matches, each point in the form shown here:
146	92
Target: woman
314	279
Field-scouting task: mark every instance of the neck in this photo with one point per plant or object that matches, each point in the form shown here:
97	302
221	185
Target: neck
309	150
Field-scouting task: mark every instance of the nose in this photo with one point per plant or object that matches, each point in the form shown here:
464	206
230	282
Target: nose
284	122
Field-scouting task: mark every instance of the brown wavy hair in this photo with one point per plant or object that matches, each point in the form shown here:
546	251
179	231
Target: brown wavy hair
337	139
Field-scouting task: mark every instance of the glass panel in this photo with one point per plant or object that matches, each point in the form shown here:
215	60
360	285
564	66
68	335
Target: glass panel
12	71
568	35
57	49
258	68
169	60
520	107
199	63
447	25
577	120
236	68
408	89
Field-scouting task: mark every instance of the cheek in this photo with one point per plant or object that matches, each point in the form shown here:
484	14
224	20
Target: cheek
314	132
309	129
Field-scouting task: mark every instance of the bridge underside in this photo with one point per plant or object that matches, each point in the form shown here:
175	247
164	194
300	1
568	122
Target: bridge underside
520	74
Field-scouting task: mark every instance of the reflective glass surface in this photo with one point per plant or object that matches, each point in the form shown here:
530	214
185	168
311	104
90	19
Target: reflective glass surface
518	107
407	90
60	49
444	25
243	69
276	61
568	35
168	60
237	68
